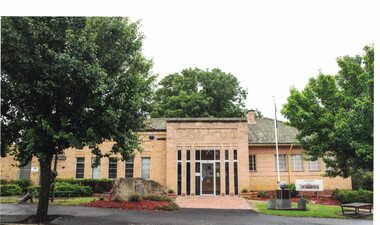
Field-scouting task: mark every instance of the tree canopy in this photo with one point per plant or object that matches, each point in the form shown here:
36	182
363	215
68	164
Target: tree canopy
199	93
71	82
334	114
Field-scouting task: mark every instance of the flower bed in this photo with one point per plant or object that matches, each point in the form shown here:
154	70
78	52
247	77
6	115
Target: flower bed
143	205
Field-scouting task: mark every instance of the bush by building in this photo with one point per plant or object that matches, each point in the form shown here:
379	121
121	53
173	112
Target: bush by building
10	189
97	185
348	196
22	183
292	188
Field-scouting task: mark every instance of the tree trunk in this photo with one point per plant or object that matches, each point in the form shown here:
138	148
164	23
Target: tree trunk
43	204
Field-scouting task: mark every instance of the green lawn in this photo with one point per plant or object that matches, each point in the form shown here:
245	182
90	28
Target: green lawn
57	201
313	210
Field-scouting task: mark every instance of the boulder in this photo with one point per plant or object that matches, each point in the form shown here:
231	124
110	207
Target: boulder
122	188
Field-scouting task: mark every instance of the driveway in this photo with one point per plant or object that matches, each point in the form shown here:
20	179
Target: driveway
212	202
85	215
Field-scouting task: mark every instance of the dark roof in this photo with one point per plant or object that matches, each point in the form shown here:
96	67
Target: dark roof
260	133
263	132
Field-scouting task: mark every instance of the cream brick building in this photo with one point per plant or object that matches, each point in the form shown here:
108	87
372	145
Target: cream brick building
197	156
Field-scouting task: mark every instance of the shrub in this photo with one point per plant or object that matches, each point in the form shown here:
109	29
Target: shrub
348	196
262	194
24	184
74	190
135	198
97	185
172	206
35	190
244	190
171	191
10	189
292	188
157	198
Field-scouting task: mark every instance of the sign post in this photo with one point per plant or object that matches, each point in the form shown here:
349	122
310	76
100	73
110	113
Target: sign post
309	186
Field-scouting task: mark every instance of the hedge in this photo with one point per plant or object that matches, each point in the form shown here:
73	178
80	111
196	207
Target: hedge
97	185
22	183
62	187
348	196
10	189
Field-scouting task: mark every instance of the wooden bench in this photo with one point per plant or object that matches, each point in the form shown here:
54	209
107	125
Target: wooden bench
357	206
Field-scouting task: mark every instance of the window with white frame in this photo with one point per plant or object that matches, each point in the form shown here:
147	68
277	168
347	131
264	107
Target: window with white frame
112	168
252	163
129	168
145	167
314	165
79	172
282	162
297	163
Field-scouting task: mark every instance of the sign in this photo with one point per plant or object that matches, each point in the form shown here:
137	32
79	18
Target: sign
34	169
309	185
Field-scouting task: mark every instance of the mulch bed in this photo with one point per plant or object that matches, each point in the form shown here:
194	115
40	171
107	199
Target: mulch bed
143	205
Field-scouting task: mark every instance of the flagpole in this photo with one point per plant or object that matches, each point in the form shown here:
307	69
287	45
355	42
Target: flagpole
275	135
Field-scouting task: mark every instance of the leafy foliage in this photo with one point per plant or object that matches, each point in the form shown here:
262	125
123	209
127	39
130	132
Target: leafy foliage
292	188
10	189
63	189
348	196
97	185
71	82
334	115
199	93
136	197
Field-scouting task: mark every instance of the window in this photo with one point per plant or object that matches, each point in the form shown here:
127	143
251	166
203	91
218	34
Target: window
129	168
145	167
282	161
235	154
252	163
79	172
227	177
297	163
226	154
179	154
314	165
95	170
179	178
112	167
188	156
217	154
236	184
25	171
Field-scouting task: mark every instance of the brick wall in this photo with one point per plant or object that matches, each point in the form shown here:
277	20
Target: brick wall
265	178
206	135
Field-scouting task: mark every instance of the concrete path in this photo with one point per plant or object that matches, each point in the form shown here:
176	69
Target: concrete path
85	215
212	202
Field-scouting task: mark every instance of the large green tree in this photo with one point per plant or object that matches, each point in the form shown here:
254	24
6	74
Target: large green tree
199	93
71	82
334	114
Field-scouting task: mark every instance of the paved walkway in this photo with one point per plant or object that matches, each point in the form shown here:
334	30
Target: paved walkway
212	202
79	215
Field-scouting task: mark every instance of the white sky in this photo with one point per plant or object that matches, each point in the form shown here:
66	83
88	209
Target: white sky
268	45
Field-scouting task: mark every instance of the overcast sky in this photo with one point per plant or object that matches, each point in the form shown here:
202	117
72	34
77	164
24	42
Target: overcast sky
268	45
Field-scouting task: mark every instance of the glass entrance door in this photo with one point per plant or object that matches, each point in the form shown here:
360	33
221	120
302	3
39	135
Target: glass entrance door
208	178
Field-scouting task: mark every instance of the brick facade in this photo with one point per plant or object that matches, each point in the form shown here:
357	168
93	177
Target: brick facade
161	146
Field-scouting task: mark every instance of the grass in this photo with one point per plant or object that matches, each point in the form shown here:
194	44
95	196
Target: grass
57	201
313	210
